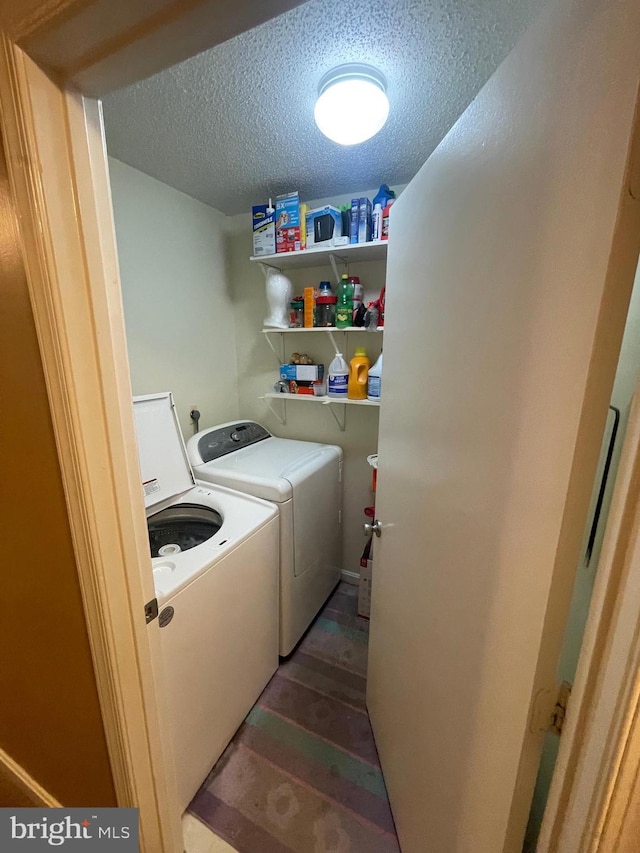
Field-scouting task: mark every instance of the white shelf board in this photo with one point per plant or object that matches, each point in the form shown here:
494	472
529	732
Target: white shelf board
325	329
375	251
307	398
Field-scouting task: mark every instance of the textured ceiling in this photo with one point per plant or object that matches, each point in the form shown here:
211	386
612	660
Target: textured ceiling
234	125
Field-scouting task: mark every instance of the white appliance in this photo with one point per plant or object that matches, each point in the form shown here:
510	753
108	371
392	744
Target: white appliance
215	568
305	480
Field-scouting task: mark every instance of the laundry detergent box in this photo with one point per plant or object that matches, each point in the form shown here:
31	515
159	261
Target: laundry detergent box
290	227
302	372
264	229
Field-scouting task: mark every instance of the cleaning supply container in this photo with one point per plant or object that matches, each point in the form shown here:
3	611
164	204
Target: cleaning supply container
374	381
338	378
358	374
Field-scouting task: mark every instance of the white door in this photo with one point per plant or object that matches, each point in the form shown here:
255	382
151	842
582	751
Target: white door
510	266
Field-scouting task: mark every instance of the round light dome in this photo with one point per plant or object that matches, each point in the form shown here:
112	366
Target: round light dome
352	103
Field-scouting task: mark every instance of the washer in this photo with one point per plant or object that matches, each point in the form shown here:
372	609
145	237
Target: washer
215	557
305	480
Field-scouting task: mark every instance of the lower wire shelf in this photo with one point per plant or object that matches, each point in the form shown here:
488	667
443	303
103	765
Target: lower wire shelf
331	402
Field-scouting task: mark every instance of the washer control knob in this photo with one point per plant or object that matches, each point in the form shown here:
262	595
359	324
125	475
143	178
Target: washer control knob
235	436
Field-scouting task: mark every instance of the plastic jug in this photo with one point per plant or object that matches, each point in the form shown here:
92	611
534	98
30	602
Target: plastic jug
358	374
374	382
338	378
384	196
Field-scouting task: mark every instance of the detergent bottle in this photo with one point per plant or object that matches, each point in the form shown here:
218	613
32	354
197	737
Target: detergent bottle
358	374
374	381
380	202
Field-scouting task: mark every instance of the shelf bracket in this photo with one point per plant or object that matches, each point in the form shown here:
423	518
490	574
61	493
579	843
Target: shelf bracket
281	417
278	355
334	267
333	341
341	423
265	267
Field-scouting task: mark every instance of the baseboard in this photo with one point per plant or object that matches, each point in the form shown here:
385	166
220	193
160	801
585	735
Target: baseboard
350	577
19	777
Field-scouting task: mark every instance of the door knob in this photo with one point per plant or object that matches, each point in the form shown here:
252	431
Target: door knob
370	529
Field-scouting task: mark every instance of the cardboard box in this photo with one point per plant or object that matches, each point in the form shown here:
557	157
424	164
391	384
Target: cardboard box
304	208
364	221
355	213
302	372
264	230
311	389
289	232
324	226
309	299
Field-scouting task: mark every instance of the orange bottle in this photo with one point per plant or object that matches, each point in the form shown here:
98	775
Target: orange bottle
358	374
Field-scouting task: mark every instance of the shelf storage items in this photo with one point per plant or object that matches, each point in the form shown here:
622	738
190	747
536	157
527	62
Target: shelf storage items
331	402
330	331
306	258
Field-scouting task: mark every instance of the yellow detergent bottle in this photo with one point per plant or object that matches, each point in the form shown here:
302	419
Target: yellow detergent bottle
358	374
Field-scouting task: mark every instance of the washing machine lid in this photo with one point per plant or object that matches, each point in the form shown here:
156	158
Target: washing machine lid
164	464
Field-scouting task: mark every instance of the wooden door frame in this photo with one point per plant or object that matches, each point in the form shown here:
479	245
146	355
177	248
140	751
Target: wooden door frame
57	170
599	759
59	178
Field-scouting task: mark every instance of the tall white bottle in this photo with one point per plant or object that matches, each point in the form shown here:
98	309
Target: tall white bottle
376	222
338	383
374	382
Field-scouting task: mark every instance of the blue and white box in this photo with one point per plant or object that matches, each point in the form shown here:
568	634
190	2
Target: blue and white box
302	372
355	213
364	221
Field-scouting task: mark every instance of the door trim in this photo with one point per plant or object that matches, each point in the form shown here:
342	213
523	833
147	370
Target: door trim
58	173
599	757
20	779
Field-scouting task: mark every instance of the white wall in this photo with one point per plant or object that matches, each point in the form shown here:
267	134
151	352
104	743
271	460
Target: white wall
178	310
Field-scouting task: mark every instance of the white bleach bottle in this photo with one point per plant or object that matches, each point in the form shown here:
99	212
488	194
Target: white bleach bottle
338	378
374	381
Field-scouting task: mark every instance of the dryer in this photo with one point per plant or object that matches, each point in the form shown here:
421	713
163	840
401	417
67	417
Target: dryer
304	479
215	557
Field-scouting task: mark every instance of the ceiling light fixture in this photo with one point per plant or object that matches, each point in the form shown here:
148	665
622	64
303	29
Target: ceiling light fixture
352	103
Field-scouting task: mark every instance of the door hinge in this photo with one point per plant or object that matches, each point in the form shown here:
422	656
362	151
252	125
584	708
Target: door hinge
560	708
151	610
548	709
